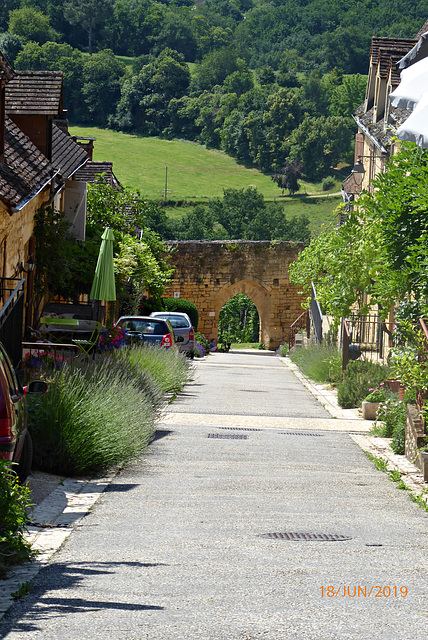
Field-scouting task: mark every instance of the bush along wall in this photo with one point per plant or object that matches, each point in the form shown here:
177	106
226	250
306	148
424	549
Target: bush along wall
183	306
102	414
358	378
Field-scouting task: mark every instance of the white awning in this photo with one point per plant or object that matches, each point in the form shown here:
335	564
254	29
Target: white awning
415	128
413	85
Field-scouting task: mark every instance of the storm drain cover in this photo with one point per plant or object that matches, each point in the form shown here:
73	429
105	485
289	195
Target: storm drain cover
253	391
239	429
320	537
300	433
229	436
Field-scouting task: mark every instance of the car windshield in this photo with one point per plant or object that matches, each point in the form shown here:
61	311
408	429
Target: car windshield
177	322
146	327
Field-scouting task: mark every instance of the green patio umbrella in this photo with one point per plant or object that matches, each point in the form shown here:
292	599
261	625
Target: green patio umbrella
103	286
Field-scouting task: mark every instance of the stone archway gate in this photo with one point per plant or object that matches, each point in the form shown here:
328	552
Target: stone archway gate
209	273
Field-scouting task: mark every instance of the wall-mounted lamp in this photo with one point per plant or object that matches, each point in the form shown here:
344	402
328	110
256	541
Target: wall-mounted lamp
30	266
358	171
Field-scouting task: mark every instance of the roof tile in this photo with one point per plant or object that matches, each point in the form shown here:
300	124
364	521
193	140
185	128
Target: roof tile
25	170
67	156
34	93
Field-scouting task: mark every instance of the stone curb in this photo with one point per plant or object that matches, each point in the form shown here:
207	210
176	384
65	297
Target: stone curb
53	521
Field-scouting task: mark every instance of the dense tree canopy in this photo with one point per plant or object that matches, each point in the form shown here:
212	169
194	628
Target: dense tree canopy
379	256
273	81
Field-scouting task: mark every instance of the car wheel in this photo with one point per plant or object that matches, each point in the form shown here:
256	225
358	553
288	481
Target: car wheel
24	464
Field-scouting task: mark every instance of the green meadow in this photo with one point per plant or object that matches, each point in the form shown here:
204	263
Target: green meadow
184	170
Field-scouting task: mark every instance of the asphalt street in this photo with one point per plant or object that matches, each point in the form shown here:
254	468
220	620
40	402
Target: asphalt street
253	516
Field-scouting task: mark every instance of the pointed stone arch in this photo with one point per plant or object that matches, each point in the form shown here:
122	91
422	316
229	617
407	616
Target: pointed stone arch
257	293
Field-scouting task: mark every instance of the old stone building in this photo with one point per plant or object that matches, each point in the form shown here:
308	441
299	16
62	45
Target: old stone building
209	273
377	120
37	163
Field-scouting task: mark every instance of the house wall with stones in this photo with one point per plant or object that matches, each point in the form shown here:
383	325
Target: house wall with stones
210	273
15	233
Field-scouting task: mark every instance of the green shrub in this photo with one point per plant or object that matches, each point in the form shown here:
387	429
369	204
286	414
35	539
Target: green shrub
391	421
315	360
183	306
328	183
93	417
283	350
14	503
199	337
168	367
358	378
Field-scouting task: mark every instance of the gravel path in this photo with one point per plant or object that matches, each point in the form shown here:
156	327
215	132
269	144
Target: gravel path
176	548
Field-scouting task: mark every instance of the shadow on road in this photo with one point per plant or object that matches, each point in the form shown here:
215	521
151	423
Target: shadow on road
23	616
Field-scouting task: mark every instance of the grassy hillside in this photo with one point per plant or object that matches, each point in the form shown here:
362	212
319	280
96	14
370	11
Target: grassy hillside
194	172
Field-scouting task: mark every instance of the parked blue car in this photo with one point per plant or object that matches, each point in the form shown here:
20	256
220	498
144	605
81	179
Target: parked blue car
148	330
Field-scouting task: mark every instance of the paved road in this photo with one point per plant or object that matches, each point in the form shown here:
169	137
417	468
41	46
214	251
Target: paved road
176	549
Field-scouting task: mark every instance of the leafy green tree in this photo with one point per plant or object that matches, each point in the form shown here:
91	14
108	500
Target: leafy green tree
244	214
10	46
196	225
238	320
215	66
344	264
288	178
145	98
398	207
239	82
132	26
89	14
176	33
346	97
102	74
31	25
54	56
320	143
266	75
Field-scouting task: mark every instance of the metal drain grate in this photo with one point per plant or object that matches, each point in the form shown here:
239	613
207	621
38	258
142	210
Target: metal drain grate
316	537
227	436
253	391
300	433
239	428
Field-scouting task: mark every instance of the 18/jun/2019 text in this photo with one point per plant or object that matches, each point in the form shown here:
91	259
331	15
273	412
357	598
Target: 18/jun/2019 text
357	591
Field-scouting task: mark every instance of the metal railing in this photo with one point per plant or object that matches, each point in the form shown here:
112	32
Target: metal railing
302	322
12	316
365	336
316	314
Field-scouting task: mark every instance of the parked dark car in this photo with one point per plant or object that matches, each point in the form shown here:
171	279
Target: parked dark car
146	329
15	439
184	333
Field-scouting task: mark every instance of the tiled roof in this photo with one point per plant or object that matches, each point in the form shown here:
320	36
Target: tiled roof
67	156
386	52
6	71
98	172
383	134
25	170
34	93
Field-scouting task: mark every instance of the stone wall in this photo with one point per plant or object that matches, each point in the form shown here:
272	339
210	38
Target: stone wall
15	233
209	273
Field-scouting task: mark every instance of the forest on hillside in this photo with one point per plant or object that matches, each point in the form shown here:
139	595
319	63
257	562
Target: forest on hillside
272	83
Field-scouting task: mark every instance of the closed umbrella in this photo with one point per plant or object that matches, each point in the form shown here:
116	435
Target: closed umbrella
415	128
413	84
103	286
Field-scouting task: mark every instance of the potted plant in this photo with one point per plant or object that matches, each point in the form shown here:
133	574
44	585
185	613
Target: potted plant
372	401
